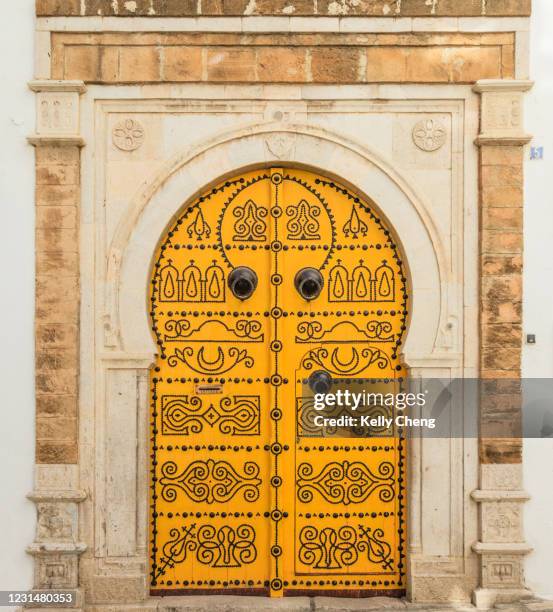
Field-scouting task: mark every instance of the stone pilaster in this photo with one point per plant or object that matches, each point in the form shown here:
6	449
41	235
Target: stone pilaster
56	548
501	544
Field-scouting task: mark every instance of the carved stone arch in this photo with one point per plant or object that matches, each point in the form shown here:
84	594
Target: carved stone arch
149	214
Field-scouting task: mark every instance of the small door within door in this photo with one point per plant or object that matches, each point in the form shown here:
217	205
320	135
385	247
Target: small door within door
262	283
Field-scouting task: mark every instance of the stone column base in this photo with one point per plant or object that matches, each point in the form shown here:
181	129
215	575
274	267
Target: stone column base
484	599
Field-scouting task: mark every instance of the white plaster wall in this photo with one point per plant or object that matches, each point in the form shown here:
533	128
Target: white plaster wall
17	514
538	292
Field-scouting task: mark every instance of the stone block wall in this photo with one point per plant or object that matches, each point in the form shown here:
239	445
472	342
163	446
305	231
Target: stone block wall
57	303
282	58
373	8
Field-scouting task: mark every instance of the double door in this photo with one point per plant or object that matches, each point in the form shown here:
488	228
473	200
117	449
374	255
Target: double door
267	283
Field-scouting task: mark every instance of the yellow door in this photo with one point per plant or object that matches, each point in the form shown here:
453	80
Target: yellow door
247	493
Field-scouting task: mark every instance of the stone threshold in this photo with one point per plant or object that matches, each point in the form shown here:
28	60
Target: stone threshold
223	603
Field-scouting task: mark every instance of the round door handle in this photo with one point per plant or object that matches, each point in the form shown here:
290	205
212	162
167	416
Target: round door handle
242	281
309	283
320	382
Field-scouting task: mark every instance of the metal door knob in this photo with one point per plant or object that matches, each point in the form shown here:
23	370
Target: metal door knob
309	283
320	382
242	282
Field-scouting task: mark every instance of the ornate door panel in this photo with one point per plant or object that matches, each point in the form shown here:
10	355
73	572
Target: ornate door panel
246	493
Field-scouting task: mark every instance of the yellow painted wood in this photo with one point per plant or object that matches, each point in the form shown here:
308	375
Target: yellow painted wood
246	493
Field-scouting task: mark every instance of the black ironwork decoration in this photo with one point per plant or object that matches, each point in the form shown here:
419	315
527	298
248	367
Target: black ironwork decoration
250	225
224	360
192	284
362	284
214	331
226	546
238	415
210	481
344	332
198	229
341	363
306	426
345	482
335	549
354	227
303	224
221	547
328	548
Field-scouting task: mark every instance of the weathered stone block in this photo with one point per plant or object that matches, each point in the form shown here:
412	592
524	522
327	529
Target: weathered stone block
501	451
56	405
51	291
501	265
63	310
501	289
502	242
182	64
279	64
503	195
56	428
501	312
57	263
56	358
109	64
502	334
45	8
228	64
63	217
57	174
501	156
335	65
500	358
502	176
139	64
510	219
53	154
56	239
56	381
82	62
50	451
59	195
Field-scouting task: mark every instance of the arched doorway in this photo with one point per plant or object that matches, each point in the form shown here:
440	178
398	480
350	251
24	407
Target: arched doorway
247	494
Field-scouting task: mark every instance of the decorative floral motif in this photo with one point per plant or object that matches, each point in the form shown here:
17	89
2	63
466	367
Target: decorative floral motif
249	225
223	547
236	415
226	547
334	549
346	482
128	135
210	481
429	135
354	364
328	548
303	224
354	226
198	228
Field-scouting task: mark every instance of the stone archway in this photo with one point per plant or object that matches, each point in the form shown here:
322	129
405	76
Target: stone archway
428	349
